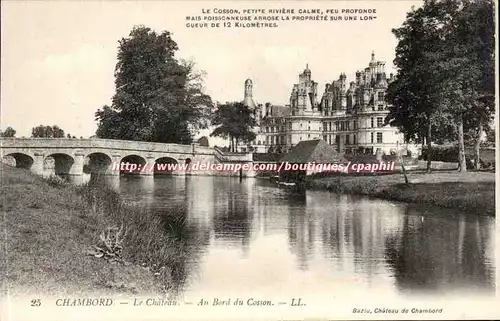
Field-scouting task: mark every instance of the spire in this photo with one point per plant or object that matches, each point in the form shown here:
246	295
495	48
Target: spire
373	55
307	71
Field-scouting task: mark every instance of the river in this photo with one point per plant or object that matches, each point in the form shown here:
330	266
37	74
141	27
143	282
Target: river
248	236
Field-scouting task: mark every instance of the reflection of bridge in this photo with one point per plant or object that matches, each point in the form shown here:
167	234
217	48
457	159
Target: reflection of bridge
72	156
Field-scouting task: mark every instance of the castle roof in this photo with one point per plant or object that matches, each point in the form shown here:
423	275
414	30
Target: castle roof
278	111
315	150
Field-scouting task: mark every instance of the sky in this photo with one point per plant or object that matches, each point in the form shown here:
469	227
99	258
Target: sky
58	57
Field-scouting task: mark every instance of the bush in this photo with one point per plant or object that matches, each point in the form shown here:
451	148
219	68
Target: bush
441	154
56	181
450	154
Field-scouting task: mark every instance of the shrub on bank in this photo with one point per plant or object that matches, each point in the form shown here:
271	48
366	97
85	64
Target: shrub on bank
450	154
56	181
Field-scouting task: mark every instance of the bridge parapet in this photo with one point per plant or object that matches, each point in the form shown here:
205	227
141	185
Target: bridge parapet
70	156
110	144
232	157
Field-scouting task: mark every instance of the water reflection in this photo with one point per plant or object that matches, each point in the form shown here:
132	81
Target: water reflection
249	234
441	253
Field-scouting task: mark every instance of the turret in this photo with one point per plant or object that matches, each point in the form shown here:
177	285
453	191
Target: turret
342	79
358	78
248	100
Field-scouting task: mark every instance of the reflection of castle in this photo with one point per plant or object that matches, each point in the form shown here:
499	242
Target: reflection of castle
351	117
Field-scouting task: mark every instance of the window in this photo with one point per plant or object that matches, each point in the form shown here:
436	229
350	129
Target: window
325	127
308	135
308	127
380	122
354	139
355	124
337	126
267	129
324	138
379	138
258	143
380	96
330	126
371	136
373	107
380	107
372	122
347	139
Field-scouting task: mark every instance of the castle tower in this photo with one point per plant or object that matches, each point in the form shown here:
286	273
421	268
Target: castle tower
248	100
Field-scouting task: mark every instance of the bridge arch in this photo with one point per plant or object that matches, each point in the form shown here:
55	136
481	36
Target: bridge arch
132	164
161	165
58	164
97	163
21	160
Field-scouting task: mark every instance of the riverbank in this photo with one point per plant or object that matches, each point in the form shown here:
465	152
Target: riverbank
473	192
52	230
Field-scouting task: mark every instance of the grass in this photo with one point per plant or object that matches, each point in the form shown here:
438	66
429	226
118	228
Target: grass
50	227
148	239
472	192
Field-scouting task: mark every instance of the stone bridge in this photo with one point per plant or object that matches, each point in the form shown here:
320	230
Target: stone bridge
67	156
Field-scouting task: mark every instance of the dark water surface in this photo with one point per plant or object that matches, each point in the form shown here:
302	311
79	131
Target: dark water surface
251	237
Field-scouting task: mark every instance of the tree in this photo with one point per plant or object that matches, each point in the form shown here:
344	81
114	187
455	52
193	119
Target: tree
445	72
157	98
414	95
8	132
234	121
47	132
203	141
466	61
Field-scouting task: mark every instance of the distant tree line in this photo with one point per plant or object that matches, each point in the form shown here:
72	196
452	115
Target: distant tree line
42	131
8	132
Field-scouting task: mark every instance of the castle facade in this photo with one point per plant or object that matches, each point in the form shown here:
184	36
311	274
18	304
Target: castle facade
350	116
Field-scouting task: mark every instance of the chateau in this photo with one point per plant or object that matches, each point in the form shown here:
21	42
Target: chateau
350	116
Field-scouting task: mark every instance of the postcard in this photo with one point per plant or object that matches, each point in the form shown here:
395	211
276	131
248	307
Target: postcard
249	160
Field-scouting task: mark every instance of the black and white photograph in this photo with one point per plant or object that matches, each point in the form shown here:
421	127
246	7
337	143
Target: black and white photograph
248	160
